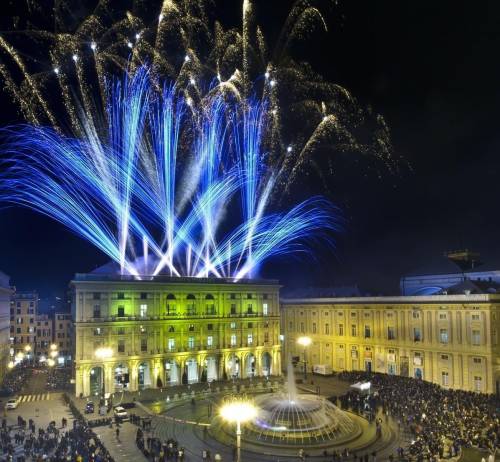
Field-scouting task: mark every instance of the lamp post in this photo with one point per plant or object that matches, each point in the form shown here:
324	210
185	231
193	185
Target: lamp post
305	342
102	354
238	411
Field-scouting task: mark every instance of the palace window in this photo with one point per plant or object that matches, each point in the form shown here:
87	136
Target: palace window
121	346
233	325
391	333
190	343
341	329
191	327
249	309
313	327
327	329
250	339
121	296
171	328
477	360
121	312
476	317
444	357
368	332
443	335
96	296
171	344
250	325
444	379
354	330
121	331
233	308
476	337
144	310
144	296
210	341
266	336
478	384
302	329
417	334
97	331
416	315
233	340
210	327
265	309
144	344
97	311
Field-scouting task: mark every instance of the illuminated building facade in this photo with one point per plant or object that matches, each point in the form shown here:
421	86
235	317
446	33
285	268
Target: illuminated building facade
5	294
451	340
168	331
23	313
63	337
44	336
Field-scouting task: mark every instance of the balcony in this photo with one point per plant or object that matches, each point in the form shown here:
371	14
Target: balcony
173	316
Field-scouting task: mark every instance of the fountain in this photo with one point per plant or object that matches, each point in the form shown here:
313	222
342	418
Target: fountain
292	418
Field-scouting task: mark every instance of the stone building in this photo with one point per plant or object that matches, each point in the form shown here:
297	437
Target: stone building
63	337
164	331
5	294
23	311
451	340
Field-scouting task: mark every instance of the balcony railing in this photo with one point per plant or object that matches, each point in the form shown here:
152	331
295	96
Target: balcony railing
171	316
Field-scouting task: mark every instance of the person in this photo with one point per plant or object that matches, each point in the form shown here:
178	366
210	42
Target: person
117	433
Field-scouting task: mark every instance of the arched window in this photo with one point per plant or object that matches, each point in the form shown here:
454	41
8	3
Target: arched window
210	305
171	308
171	328
191	297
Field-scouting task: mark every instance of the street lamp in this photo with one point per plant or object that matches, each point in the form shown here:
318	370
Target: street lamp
305	342
102	354
239	411
51	362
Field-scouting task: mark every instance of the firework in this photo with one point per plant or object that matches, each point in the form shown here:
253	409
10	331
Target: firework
65	80
121	190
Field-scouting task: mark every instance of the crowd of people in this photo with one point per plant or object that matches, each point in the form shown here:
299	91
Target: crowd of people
441	421
16	378
155	449
59	378
24	442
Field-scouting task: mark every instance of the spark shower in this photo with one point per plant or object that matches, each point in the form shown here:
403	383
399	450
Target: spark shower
129	194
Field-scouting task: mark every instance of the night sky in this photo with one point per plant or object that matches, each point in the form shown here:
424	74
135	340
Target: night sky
432	69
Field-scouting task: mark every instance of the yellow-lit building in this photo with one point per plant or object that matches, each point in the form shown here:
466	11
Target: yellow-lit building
451	340
5	293
166	331
23	312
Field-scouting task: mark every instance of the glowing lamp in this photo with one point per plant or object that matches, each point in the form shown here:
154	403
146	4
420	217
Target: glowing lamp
272	83
130	44
75	58
304	341
93	46
51	362
103	353
56	70
187	59
10	365
53	346
238	411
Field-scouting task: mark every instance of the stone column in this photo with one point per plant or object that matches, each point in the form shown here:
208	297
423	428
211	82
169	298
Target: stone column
133	375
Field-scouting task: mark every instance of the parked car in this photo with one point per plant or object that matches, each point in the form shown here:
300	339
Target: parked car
89	407
12	403
120	412
4	392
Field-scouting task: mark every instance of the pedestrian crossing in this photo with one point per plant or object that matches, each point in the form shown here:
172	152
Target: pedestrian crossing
34	397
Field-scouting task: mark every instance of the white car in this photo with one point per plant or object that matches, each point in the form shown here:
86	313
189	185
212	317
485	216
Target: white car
120	412
12	403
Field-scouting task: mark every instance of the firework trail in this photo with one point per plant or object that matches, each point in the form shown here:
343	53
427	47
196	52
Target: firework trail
119	191
75	58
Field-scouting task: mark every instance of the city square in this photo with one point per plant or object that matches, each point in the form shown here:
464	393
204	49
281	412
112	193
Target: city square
248	231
